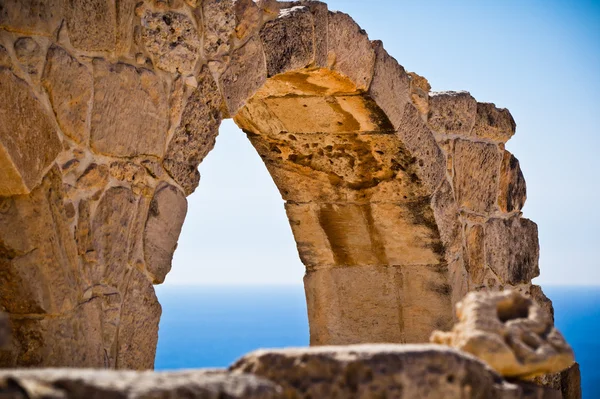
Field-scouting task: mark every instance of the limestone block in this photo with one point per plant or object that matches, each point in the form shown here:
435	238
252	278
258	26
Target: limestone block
536	293
513	190
452	112
172	40
356	61
111	234
512	249
94	177
92	24
195	136
38	259
475	255
69	86
31	17
445	210
129	116
390	87
125	25
219	26
419	92
138	331
30	55
476	175
5	61
246	73
371	234
384	303
494	123
386	371
510	333
28	140
567	382
289	41
248	18
419	140
80	383
165	219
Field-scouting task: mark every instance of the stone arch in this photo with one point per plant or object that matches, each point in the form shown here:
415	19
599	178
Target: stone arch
400	200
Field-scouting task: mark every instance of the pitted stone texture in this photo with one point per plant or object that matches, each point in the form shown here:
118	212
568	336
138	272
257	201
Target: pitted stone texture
355	61
445	210
289	41
69	86
92	24
386	303
476	175
248	18
172	40
475	255
419	92
129	116
165	219
246	73
513	190
510	333
494	123
28	139
196	134
567	382
452	112
219	26
30	55
74	383
386	371
390	87
33	17
512	249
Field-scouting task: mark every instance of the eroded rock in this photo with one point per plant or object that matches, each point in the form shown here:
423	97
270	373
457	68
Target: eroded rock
452	112
510	333
513	190
92	24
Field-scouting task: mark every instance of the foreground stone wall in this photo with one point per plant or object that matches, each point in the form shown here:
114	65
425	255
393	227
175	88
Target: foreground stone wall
400	199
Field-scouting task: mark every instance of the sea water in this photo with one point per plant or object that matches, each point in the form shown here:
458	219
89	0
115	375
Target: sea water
212	326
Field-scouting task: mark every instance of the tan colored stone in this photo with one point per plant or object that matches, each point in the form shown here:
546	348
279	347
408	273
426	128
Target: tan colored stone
219	26
321	82
30	55
92	24
567	382
475	255
494	123
129	116
510	333
390	87
513	190
125	25
165	219
172	40
512	249
419	92
245	75
28	139
536	293
5	61
31	16
386	371
289	41
445	210
94	177
5	333
138	331
452	112
355	61
248	18
196	134
69	87
330	235
476	175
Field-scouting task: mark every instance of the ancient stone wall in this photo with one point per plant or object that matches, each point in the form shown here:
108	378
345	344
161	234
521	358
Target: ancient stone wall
400	199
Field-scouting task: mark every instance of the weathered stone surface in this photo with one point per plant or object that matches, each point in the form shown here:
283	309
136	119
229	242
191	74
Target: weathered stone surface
138	331
390	87
567	382
536	293
31	16
245	75
125	25
513	190
419	92
387	371
219	26
475	255
289	41
73	383
5	332
94	177
510	333
248	18
28	139
476	175
92	24
165	219
69	86
30	55
355	61
38	268
494	123
512	249
196	134
452	112
445	210
172	40
129	116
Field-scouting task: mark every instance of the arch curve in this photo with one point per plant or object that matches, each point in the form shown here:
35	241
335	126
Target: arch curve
400	200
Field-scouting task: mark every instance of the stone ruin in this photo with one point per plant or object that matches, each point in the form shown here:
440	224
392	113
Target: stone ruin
401	200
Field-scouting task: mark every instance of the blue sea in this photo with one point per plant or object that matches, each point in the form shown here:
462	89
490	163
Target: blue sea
212	326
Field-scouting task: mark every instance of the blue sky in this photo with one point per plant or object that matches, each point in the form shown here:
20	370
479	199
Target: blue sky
539	59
